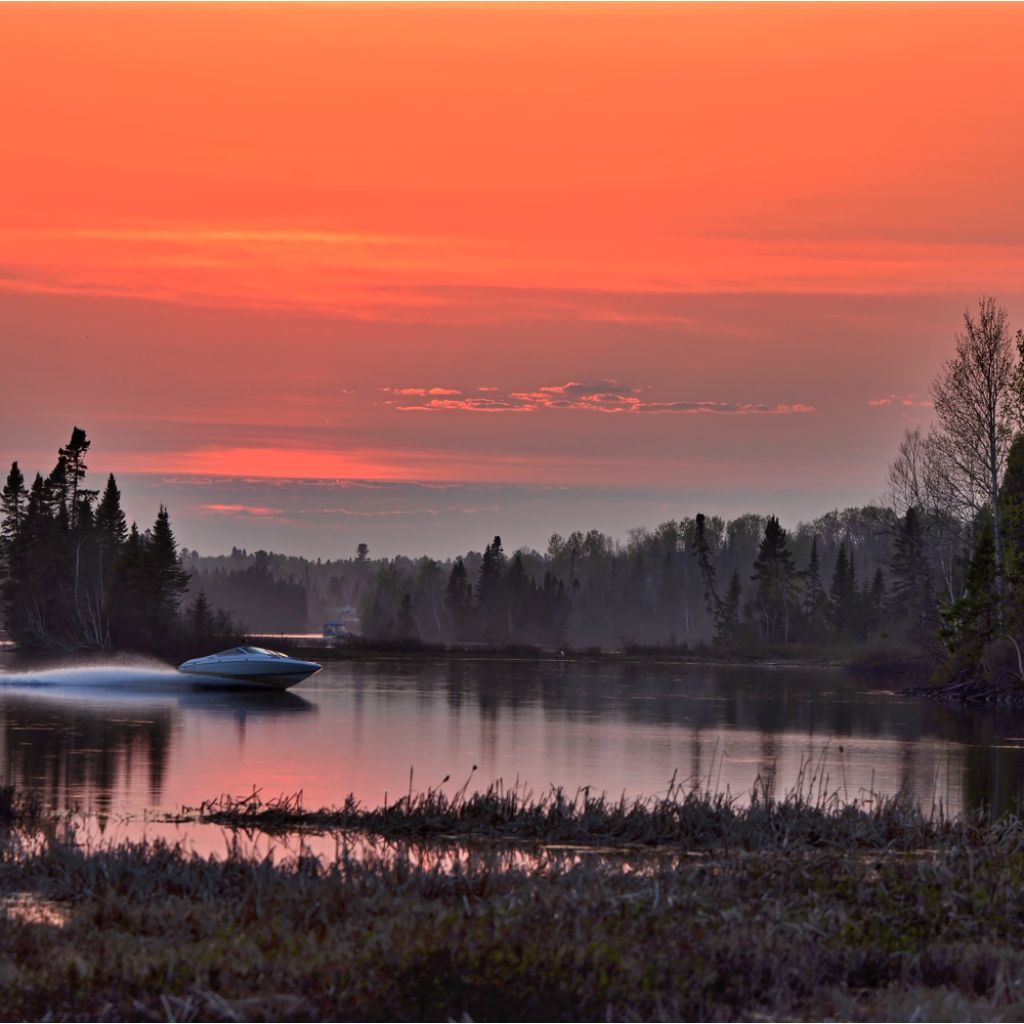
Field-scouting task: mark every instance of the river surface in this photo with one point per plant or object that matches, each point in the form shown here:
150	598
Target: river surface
136	740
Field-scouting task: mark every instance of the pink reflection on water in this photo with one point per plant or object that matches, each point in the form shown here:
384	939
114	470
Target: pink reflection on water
129	746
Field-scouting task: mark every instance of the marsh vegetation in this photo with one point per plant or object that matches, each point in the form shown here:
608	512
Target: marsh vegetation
795	909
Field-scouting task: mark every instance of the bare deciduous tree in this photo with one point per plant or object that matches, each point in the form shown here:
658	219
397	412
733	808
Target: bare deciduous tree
977	416
908	473
918	479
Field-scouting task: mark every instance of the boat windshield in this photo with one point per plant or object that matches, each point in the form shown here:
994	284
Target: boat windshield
262	650
230	650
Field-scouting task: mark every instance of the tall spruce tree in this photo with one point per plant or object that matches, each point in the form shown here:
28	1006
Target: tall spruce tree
728	618
406	629
110	519
554	610
519	598
73	455
490	592
57	493
775	580
912	598
200	616
815	598
166	581
13	503
458	600
843	594
14	532
972	621
702	552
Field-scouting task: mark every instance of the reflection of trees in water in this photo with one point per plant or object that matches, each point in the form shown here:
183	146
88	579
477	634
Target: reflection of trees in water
63	748
937	755
993	756
74	747
773	701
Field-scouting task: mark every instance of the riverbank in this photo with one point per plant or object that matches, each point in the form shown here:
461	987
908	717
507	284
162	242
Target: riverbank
972	691
874	662
841	912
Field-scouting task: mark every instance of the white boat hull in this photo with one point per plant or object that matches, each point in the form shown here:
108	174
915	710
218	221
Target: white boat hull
250	668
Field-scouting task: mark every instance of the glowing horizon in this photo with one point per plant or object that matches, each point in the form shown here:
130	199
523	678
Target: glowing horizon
700	247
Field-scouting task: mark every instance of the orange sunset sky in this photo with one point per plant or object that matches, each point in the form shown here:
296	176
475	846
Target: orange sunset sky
419	274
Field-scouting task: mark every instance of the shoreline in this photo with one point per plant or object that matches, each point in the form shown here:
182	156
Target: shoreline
969	694
439	653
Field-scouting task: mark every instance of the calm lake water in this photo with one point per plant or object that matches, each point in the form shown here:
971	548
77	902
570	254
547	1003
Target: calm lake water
128	740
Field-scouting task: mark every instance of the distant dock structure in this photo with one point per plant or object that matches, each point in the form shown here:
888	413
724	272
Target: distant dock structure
344	624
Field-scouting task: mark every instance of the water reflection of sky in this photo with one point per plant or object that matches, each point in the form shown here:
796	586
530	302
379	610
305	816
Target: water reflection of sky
125	740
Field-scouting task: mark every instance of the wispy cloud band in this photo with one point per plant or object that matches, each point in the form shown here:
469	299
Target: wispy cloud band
603	396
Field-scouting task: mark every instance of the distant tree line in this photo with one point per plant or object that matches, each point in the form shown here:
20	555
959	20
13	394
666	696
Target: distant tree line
694	581
265	603
502	604
939	565
845	578
74	575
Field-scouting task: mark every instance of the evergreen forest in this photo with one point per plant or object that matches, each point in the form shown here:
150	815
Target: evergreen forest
76	576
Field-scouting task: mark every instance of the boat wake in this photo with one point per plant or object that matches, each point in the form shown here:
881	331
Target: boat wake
145	676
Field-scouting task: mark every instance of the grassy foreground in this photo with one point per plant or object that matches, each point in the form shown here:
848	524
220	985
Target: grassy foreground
840	913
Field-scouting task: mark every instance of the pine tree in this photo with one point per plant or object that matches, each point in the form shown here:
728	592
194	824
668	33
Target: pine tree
489	591
458	600
843	594
518	592
971	622
815	599
72	455
110	519
775	595
166	580
200	616
57	493
13	503
728	619
702	552
912	598
128	600
36	580
407	628
554	615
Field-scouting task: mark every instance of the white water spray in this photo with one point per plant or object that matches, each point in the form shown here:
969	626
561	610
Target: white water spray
147	675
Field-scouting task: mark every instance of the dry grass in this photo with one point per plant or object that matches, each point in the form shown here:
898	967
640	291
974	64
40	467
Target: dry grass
152	933
834	913
687	817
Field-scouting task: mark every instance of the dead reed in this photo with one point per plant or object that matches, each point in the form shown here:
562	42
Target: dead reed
686	817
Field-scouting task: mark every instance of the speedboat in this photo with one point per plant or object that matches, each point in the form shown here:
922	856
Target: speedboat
249	667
